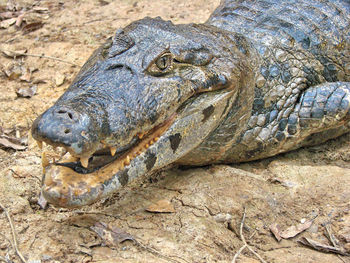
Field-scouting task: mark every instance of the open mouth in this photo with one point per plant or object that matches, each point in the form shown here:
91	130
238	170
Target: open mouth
70	175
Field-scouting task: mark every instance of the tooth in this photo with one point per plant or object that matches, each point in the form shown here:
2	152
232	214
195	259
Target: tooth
156	139
151	142
40	144
140	135
84	161
44	161
113	150
147	145
121	166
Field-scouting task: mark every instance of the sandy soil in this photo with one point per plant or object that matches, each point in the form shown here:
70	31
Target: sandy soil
205	205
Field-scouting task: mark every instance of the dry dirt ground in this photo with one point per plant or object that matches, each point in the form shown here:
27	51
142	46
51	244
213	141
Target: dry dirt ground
209	202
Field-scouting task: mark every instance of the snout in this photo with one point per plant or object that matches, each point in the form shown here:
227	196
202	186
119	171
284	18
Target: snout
63	126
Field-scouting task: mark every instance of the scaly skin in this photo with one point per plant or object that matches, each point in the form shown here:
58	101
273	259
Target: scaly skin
258	78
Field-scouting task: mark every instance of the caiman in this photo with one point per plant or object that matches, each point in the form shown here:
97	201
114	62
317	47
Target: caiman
256	79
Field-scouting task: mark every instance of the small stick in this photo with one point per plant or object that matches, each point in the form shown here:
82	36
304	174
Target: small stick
13	234
245	243
238	253
332	239
41	56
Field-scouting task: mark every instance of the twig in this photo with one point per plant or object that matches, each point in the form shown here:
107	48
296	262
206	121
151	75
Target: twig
238	253
154	252
13	234
41	56
332	239
245	243
330	236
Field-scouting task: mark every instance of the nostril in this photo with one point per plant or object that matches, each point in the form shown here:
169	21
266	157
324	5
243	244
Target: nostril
67	113
66	131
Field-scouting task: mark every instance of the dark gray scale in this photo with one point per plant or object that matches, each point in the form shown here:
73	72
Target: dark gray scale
303	59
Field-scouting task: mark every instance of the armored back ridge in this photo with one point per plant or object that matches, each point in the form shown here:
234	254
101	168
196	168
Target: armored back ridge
257	79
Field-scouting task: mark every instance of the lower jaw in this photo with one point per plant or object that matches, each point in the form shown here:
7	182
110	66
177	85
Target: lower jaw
66	188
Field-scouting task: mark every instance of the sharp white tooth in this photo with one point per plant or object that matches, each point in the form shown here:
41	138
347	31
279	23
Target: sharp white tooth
84	161
40	144
44	161
113	150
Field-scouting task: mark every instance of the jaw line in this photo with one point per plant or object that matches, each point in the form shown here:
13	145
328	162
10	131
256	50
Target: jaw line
62	184
65	188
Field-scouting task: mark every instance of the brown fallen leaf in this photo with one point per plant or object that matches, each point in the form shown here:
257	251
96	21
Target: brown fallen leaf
321	247
161	206
26	92
295	230
32	27
276	231
112	236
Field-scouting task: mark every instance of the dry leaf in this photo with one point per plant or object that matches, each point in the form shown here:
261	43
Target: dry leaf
32	27
7	143
295	230
112	236
162	206
276	231
14	53
27	92
321	247
26	76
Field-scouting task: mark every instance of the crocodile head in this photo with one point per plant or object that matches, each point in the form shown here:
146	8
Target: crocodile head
144	99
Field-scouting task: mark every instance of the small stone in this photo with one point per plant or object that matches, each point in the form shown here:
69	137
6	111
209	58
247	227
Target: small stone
59	80
222	218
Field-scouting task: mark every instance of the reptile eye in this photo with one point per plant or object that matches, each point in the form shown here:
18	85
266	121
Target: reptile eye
163	62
